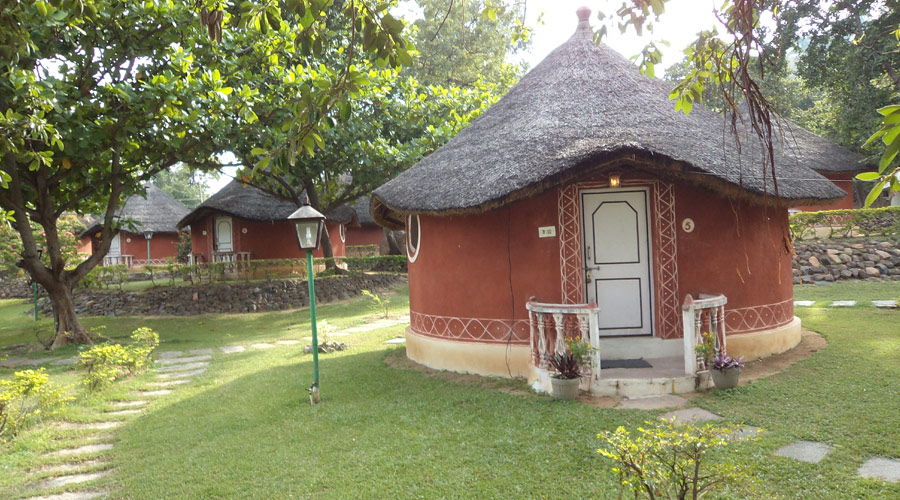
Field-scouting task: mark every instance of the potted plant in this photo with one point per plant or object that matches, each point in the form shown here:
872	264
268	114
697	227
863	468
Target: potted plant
726	371
564	383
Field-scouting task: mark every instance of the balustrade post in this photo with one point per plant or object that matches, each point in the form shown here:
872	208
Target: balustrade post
688	322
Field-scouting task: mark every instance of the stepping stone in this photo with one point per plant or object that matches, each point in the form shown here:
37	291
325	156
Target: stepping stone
161	392
73	479
288	342
395	341
804	451
120	413
128	404
881	468
182	374
176	361
92	426
58	469
184	367
746	432
231	349
885	304
91	448
199	352
65	362
843	303
262	345
83	495
804	303
170	383
654	402
169	354
690	415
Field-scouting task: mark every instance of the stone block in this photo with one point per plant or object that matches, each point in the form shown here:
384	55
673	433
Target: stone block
872	272
814	262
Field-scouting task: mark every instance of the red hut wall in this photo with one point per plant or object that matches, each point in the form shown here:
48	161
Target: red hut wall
264	240
843	180
461	287
162	245
365	235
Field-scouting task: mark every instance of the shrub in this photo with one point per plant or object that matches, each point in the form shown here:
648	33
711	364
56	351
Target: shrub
108	362
29	395
845	223
377	303
670	461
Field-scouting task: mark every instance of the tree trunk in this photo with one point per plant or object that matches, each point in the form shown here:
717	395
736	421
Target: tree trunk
389	244
68	328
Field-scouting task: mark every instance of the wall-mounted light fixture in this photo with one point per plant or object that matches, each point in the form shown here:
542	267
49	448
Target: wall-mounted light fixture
614	180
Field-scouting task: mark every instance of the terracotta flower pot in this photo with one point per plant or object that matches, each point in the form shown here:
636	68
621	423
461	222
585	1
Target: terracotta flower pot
564	388
726	379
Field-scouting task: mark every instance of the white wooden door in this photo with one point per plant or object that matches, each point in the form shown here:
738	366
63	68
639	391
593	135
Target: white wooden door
115	247
617	259
223	235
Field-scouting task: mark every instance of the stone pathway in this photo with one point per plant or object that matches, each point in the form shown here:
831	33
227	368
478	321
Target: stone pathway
880	468
881	304
171	364
805	451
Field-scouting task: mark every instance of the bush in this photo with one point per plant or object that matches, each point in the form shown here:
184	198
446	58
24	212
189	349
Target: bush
669	461
846	223
108	362
29	395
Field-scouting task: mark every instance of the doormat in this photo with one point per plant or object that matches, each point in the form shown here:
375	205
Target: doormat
624	363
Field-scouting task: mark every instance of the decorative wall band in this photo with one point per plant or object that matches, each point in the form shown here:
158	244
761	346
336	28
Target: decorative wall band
470	329
756	318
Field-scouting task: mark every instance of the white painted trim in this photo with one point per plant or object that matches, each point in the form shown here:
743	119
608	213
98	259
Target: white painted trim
412	252
342	230
216	234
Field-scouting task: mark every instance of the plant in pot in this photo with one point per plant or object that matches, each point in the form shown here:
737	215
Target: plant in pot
564	383
726	371
704	351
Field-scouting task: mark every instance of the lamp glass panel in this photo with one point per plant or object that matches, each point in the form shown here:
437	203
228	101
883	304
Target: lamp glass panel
307	233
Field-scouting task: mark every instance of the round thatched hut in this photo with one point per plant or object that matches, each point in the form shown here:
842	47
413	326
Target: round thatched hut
148	223
241	222
581	185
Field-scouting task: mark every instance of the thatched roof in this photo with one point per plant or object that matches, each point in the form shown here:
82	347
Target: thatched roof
156	212
583	109
247	202
363	215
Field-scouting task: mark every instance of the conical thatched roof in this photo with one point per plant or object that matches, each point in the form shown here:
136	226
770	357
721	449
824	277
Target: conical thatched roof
247	202
586	107
156	212
363	215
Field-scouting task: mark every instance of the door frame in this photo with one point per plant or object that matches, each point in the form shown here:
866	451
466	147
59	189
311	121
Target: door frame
651	292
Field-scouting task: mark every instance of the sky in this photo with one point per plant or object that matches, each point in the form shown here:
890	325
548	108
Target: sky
678	26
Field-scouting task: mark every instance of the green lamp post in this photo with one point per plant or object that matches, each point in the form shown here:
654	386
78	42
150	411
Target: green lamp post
148	235
309	223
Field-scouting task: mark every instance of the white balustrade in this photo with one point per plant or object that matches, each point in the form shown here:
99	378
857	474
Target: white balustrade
704	314
115	260
548	324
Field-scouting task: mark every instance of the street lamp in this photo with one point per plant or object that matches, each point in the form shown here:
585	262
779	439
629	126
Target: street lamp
309	223
148	235
34	288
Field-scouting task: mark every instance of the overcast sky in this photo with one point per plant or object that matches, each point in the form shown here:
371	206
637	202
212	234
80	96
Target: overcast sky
678	26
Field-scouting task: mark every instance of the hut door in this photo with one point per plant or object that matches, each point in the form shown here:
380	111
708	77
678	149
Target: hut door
223	235
617	259
115	247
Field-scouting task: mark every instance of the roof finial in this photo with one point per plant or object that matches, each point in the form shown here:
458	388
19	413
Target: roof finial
584	24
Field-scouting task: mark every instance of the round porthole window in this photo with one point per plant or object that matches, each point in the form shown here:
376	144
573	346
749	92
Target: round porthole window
413	237
343	232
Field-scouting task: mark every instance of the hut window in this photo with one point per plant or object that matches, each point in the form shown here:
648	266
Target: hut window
413	237
343	232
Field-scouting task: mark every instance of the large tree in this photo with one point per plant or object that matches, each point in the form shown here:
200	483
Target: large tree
460	42
98	96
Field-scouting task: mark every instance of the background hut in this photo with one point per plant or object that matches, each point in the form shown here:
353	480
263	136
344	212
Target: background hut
143	218
242	222
583	184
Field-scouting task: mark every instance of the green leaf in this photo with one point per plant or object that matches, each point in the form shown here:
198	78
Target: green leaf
868	176
889	109
875	193
257	151
889	154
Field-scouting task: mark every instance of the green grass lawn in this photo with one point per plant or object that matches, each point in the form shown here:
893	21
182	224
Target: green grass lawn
245	429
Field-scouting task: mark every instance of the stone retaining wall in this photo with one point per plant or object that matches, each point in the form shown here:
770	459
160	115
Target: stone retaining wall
224	297
15	288
847	259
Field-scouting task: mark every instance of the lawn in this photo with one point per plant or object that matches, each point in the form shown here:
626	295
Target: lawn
244	429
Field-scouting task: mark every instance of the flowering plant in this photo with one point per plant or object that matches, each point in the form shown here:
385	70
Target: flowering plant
725	363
